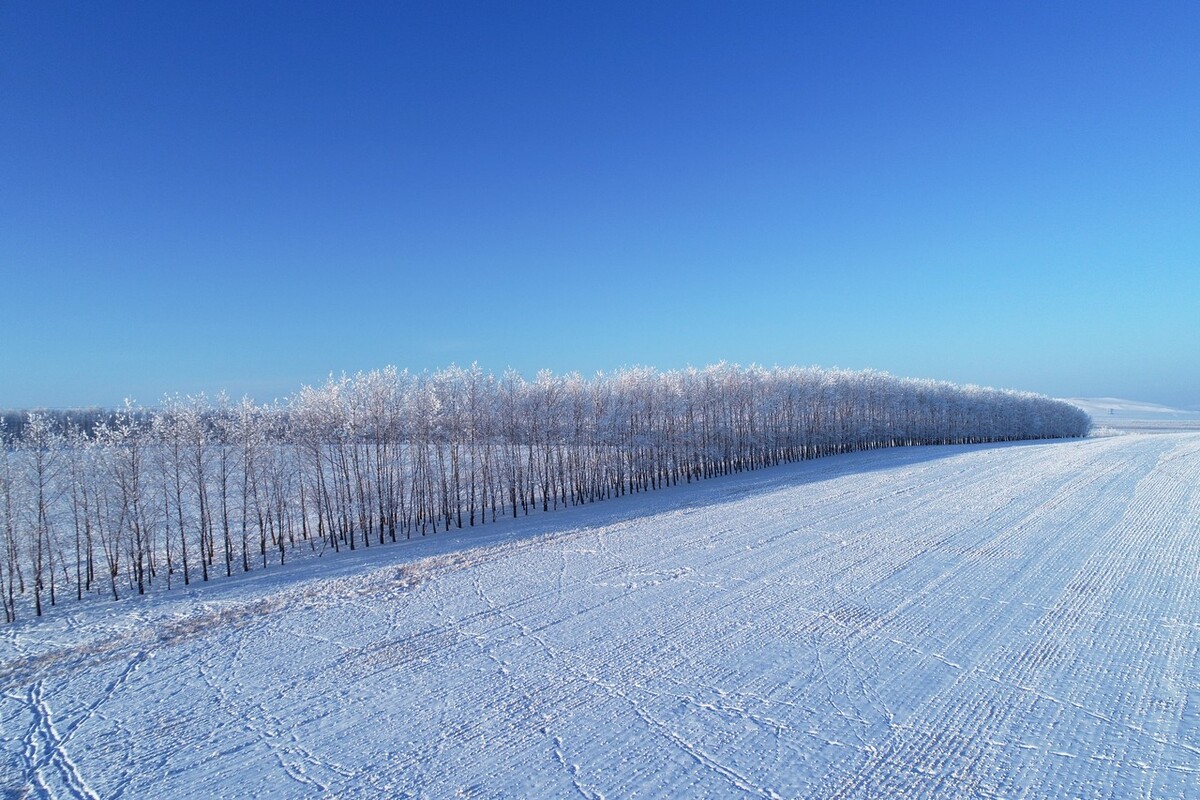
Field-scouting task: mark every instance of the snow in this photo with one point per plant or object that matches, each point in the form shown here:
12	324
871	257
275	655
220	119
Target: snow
1102	408
1114	415
991	621
1127	409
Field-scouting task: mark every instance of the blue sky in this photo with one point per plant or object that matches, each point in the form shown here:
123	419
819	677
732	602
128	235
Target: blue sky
247	196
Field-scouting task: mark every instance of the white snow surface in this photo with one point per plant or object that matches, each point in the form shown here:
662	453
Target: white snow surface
991	621
1101	408
1114	415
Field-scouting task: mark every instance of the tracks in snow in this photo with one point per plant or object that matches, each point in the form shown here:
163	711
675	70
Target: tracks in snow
988	622
47	765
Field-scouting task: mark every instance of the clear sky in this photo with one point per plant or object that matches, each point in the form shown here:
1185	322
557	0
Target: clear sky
247	196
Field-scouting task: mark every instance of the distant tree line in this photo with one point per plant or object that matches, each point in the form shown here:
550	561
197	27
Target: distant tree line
85	420
114	502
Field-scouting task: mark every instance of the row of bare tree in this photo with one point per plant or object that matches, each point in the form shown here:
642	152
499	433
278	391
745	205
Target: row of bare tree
196	488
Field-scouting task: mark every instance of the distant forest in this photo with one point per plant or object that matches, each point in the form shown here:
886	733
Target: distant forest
83	420
108	502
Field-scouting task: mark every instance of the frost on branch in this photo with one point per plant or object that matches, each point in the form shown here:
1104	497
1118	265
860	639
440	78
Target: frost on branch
194	489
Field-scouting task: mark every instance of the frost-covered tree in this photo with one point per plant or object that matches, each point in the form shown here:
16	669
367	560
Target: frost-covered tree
368	458
42	446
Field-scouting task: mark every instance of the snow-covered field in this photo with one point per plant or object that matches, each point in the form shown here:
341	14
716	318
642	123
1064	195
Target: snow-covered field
1018	620
1113	415
1121	409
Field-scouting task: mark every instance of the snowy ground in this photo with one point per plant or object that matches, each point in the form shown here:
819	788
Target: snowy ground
1112	416
1121	409
1018	620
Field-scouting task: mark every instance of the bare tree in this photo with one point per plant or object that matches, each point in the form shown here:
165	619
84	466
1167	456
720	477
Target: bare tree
359	459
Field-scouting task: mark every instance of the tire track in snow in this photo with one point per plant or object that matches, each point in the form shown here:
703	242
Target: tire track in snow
1150	702
950	750
988	623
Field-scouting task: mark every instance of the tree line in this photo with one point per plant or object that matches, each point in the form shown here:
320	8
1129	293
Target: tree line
197	488
12	422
